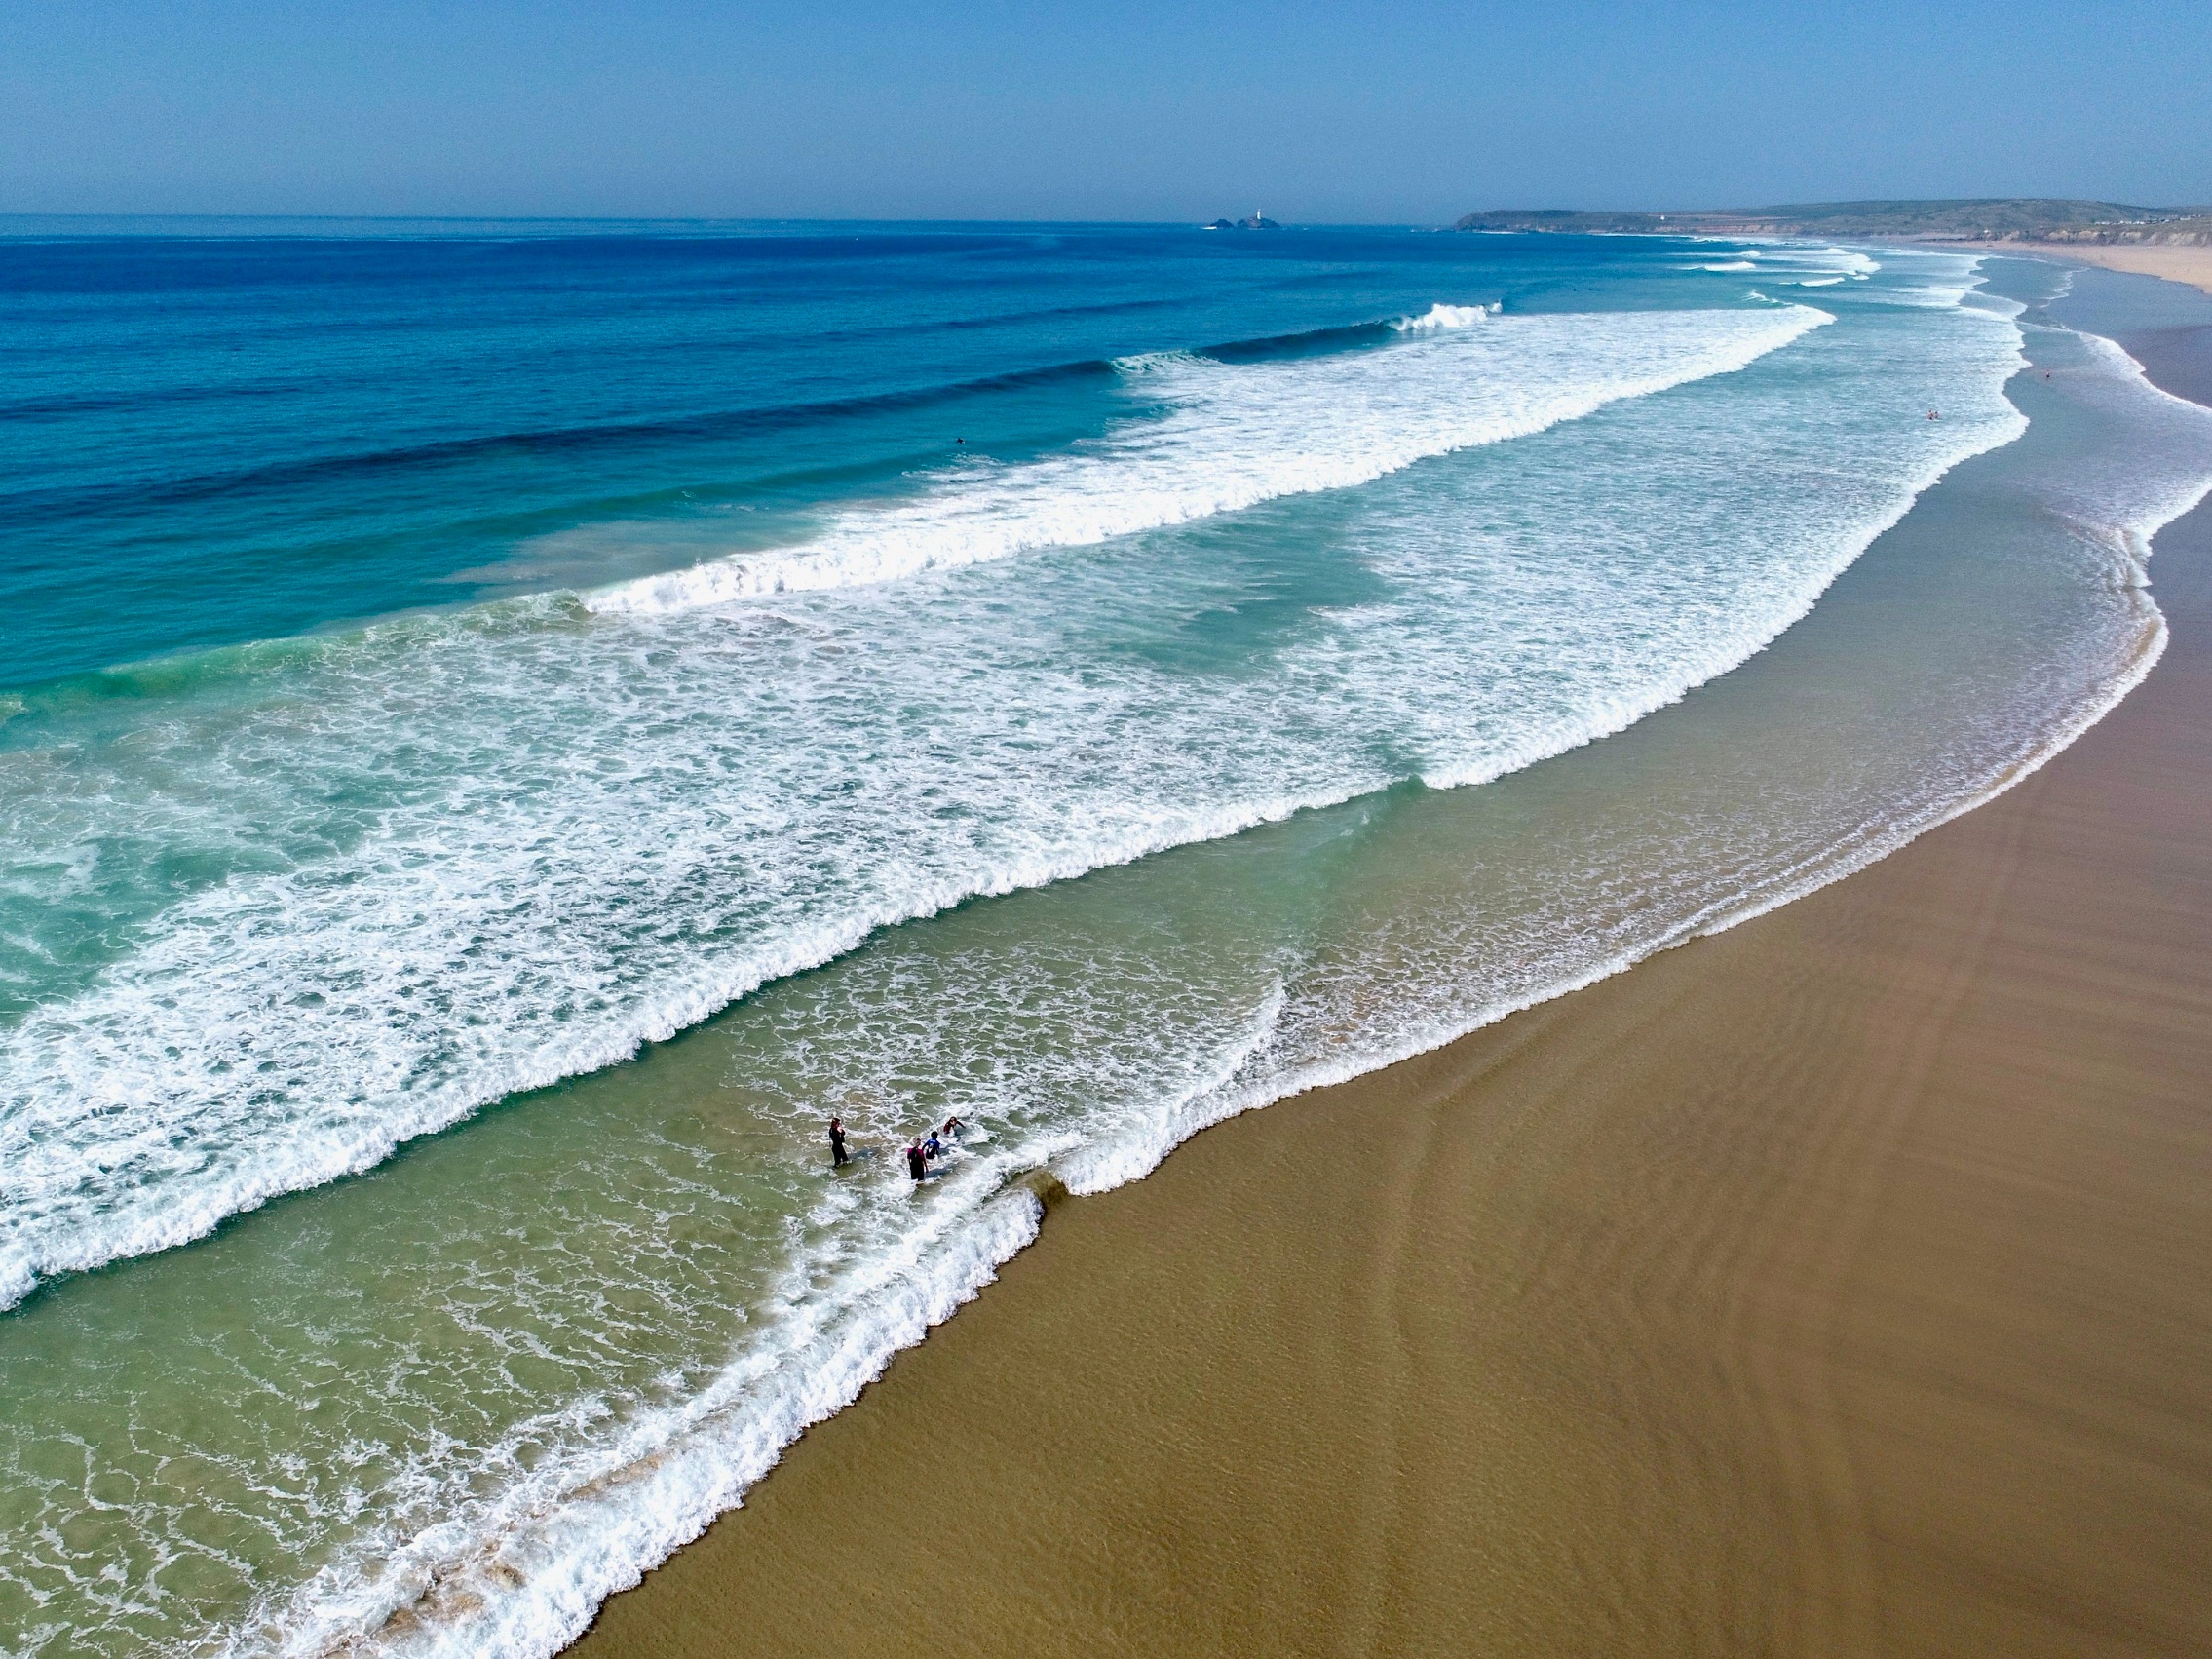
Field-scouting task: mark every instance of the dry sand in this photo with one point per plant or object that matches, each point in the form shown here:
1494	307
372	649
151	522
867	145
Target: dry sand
1838	1285
2191	265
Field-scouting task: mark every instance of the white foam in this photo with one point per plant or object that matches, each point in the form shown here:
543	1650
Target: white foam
1231	436
2124	507
589	799
549	904
1442	316
1794	255
521	1576
531	1584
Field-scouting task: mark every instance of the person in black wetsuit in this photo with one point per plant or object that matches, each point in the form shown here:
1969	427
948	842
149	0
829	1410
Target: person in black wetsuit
836	1143
917	1161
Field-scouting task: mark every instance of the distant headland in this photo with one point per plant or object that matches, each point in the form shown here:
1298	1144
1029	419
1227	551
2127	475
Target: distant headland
2033	218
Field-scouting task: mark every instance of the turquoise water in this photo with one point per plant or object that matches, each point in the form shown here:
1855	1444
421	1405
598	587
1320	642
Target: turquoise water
1090	681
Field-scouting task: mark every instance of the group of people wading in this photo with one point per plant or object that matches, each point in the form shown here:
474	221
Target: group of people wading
920	1154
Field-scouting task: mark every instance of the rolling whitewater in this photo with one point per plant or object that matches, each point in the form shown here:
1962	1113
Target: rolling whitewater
505	729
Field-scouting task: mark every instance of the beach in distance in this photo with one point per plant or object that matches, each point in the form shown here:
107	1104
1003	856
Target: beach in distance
2191	265
1548	894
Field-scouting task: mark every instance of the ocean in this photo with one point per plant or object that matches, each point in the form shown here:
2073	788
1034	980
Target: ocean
506	728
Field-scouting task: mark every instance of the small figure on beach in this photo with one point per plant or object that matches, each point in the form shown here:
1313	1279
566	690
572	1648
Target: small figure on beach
836	1143
917	1161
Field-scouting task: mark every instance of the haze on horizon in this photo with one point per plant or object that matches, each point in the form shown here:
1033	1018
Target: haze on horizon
1134	109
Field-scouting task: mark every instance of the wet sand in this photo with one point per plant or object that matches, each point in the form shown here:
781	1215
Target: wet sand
1838	1284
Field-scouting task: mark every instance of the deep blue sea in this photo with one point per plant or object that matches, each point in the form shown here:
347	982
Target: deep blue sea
506	728
220	438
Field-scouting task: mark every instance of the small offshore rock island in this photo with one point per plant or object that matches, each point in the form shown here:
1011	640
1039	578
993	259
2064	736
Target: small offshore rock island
1258	221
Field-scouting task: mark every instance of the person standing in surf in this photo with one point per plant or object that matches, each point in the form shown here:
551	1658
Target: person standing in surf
917	1161
836	1143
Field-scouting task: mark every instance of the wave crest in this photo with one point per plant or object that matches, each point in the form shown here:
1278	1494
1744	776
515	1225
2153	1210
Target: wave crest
1231	436
1442	316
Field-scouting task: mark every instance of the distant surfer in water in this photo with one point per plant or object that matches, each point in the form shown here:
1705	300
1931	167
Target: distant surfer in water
836	1143
917	1161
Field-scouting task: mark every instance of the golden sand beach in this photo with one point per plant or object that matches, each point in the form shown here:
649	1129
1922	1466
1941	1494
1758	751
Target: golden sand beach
2191	265
1841	1284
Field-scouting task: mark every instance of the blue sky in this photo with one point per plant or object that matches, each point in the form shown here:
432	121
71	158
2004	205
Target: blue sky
989	109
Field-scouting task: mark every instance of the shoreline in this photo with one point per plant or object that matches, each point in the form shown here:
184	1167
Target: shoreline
1270	1399
2189	266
